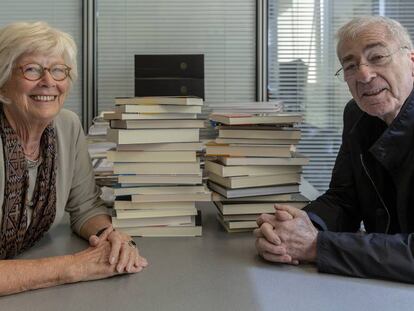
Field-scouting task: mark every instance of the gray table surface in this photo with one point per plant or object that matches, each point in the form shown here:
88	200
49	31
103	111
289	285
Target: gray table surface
218	271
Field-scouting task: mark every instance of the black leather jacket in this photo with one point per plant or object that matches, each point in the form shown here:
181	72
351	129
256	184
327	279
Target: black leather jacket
373	181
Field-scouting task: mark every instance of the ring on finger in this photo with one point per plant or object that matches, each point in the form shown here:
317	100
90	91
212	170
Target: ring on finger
132	243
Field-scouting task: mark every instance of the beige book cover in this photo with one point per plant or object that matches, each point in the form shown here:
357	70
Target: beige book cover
165	231
137	124
160	190
153	213
152	136
249	118
255	141
260	198
151	156
252	208
125	205
252	170
284	151
159	100
161	179
146	116
157	168
191	146
260	133
153	221
254	181
252	191
157	109
182	197
296	159
232	230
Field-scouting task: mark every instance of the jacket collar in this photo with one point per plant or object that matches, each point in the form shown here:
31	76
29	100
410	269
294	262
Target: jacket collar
397	140
389	145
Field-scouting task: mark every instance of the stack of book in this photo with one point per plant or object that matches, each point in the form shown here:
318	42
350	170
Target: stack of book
240	107
156	163
98	147
97	131
252	165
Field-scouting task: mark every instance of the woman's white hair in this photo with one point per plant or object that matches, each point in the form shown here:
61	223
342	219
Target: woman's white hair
21	38
355	26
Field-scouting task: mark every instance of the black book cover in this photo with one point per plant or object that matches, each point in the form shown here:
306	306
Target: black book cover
169	87
169	66
123	198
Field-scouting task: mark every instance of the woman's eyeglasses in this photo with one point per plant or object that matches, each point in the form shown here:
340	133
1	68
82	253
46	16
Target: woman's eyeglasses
34	72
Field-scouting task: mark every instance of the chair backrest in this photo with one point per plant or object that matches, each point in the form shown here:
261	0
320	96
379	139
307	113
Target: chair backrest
291	87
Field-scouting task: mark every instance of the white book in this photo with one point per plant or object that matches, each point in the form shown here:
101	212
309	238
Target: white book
213	149
159	100
167	231
260	133
137	124
164	194
254	181
125	205
147	116
285	198
157	168
153	221
160	179
185	197
160	190
157	109
250	170
152	136
151	156
153	213
252	208
238	229
192	146
242	217
296	159
254	107
251	118
253	191
247	141
246	224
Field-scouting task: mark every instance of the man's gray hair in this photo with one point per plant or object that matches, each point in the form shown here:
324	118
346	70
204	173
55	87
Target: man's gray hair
19	38
354	27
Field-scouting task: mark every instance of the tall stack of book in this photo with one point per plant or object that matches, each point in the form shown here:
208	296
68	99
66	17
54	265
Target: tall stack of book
252	165
159	175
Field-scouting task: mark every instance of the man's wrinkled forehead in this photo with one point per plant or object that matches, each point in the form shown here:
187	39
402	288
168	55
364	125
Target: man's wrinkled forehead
364	41
351	55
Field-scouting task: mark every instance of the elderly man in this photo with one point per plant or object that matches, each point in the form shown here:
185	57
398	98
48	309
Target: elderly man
373	177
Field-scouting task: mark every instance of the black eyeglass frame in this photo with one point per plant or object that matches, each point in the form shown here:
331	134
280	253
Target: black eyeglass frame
340	73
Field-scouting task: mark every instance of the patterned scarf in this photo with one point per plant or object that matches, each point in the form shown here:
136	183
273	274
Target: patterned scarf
15	236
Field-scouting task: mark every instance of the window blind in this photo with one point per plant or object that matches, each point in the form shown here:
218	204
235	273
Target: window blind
222	30
302	63
65	15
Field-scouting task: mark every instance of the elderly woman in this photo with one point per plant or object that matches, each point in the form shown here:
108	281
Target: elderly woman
46	167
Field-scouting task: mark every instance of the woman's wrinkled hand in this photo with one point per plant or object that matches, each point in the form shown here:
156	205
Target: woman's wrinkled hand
123	254
91	264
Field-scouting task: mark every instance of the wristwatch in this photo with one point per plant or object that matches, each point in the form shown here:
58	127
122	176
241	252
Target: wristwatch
101	231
